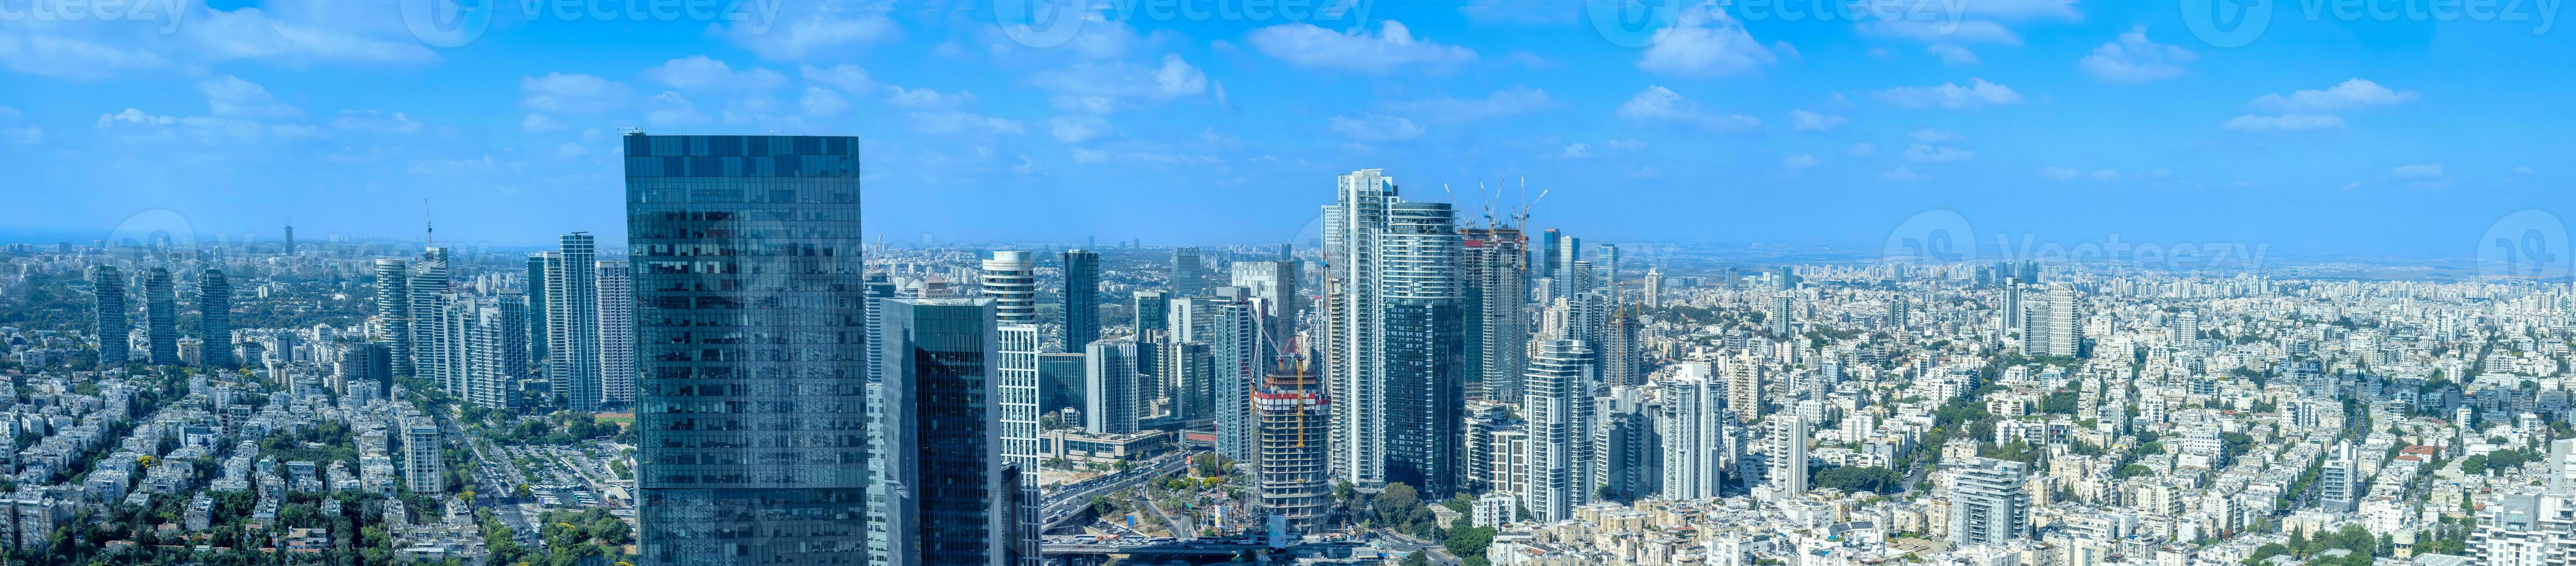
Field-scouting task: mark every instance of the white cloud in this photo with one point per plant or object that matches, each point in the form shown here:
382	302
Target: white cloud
572	94
1968	31
69	57
1929	135
232	97
1104	87
2353	94
1810	121
2106	175
299	33
22	135
1081	155
826	28
1659	104
1976	93
1926	153
1076	128
847	77
1376	128
1862	149
1518	12
924	98
2059	173
1501	103
1625	144
135	123
2134	59
701	73
960	122
1902	174
2418	171
376	121
1953	55
1393	47
540	123
671	109
1704	42
1799	162
1574	151
2282	123
819	101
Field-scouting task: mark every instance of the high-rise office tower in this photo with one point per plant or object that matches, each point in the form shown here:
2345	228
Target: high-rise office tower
429	282
536	292
1016	363
1991	503
952	496
1605	266
107	283
1496	270
1653	294
160	316
874	286
1113	396
422	469
1578	279
1188	275
616	333
215	319
1185	370
1694	419
1549	248
1081	299
1789	436
1783	314
290	239
1232	334
1619	350
1627	451
572	293
1393	335
1011	279
1153	311
1557	403
1276	299
1290	476
751	451
1572	274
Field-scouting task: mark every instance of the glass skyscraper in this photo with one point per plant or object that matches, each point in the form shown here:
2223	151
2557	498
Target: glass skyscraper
114	326
215	319
1081	299
750	398
160	317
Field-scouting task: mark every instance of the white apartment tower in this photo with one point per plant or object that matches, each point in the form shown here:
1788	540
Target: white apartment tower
1011	279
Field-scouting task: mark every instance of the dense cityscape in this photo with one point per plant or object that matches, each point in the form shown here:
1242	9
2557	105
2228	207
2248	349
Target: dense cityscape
752	378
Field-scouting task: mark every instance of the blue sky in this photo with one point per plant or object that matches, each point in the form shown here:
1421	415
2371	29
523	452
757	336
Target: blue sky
2062	121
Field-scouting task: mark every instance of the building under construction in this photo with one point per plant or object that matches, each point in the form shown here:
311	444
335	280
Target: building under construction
1293	416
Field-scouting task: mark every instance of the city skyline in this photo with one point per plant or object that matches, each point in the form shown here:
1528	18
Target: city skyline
2318	134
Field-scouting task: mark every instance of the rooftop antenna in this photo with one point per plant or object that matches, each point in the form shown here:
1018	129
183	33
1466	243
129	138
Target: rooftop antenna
431	238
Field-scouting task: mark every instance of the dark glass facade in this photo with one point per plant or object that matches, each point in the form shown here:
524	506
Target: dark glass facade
942	412
1081	299
748	318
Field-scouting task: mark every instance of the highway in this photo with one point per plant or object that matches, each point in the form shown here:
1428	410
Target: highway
1067	499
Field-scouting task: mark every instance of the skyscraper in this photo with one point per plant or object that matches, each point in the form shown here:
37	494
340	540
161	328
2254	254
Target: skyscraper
1153	311
1112	396
1627	452
215	319
1558	407
1276	299
536	292
1393	335
616	314
107	283
1011	279
1783	314
1290	474
1189	275
1694	418
160	316
572	293
1991	504
1496	270
1081	299
1788	457
428	282
751	400
1232	333
499	350
1653	294
952	496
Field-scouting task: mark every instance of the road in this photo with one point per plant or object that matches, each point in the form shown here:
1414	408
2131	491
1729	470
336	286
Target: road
1067	499
1180	527
1439	553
